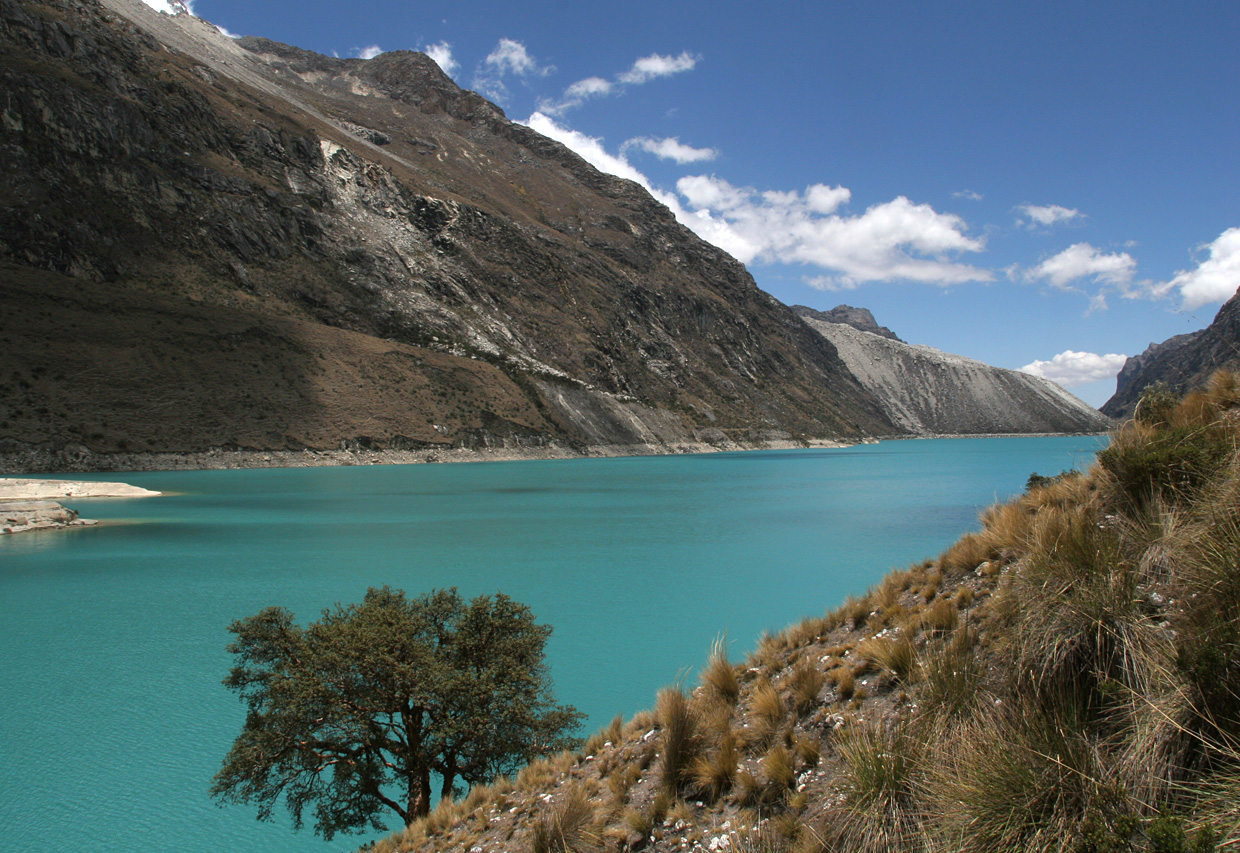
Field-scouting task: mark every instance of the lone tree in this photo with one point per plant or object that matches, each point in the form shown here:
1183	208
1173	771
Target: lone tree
352	714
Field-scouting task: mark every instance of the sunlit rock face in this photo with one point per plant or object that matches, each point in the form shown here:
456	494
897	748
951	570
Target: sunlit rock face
929	392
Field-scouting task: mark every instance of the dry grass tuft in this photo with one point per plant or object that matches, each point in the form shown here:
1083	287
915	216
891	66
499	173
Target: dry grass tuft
844	680
893	654
804	683
572	827
766	712
680	740
719	677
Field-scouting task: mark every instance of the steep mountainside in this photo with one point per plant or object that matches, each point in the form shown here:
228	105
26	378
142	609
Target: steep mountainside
217	243
1184	361
927	391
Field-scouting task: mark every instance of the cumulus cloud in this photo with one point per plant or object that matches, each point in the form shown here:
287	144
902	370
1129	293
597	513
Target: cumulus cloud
1216	278
649	67
1071	368
969	195
643	71
441	52
511	57
670	149
1047	215
1082	261
895	240
367	52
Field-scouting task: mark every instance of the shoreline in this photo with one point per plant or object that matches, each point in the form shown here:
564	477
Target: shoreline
82	460
28	504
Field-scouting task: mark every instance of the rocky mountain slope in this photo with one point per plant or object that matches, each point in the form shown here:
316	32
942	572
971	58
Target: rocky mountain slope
927	391
1184	361
209	243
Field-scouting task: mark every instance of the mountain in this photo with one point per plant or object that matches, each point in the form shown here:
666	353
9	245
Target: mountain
925	391
212	243
858	318
1184	361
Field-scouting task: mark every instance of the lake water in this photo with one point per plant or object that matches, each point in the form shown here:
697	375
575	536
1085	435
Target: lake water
113	718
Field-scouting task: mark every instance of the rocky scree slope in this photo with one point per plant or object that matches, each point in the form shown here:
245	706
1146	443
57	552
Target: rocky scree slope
925	391
218	243
1184	361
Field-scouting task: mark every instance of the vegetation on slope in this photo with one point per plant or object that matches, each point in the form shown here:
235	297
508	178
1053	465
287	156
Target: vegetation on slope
1066	678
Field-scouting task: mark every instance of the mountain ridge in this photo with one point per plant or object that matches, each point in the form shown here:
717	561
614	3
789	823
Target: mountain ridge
926	391
1180	362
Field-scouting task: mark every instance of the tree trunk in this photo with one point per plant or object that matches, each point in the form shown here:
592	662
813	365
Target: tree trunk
419	774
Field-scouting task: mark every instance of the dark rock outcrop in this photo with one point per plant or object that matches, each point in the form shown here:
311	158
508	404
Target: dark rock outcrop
1182	362
858	318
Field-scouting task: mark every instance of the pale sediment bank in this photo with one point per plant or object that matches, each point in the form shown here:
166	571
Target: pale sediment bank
28	504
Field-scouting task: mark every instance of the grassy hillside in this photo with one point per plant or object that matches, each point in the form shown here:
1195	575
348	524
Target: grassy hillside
1067	678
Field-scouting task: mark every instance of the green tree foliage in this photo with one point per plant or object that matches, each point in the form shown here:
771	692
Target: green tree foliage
352	714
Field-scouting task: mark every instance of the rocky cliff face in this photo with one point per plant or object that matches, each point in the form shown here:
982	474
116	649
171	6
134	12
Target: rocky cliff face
927	391
1182	362
213	243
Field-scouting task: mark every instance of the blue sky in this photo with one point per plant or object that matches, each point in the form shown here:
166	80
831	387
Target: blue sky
1014	182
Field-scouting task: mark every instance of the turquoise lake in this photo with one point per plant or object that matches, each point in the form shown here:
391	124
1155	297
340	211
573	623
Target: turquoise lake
113	718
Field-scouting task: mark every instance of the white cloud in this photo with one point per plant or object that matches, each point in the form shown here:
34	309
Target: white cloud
1071	368
670	149
441	52
969	195
1216	278
589	148
649	67
225	32
508	57
643	71
367	52
1080	261
588	88
896	240
511	57
1048	214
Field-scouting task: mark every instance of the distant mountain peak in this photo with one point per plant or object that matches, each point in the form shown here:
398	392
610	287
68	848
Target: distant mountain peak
858	318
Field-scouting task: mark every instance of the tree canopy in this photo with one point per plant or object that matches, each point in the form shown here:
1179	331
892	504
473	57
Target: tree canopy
352	714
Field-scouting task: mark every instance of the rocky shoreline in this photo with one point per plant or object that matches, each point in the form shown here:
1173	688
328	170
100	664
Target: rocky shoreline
27	504
83	460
